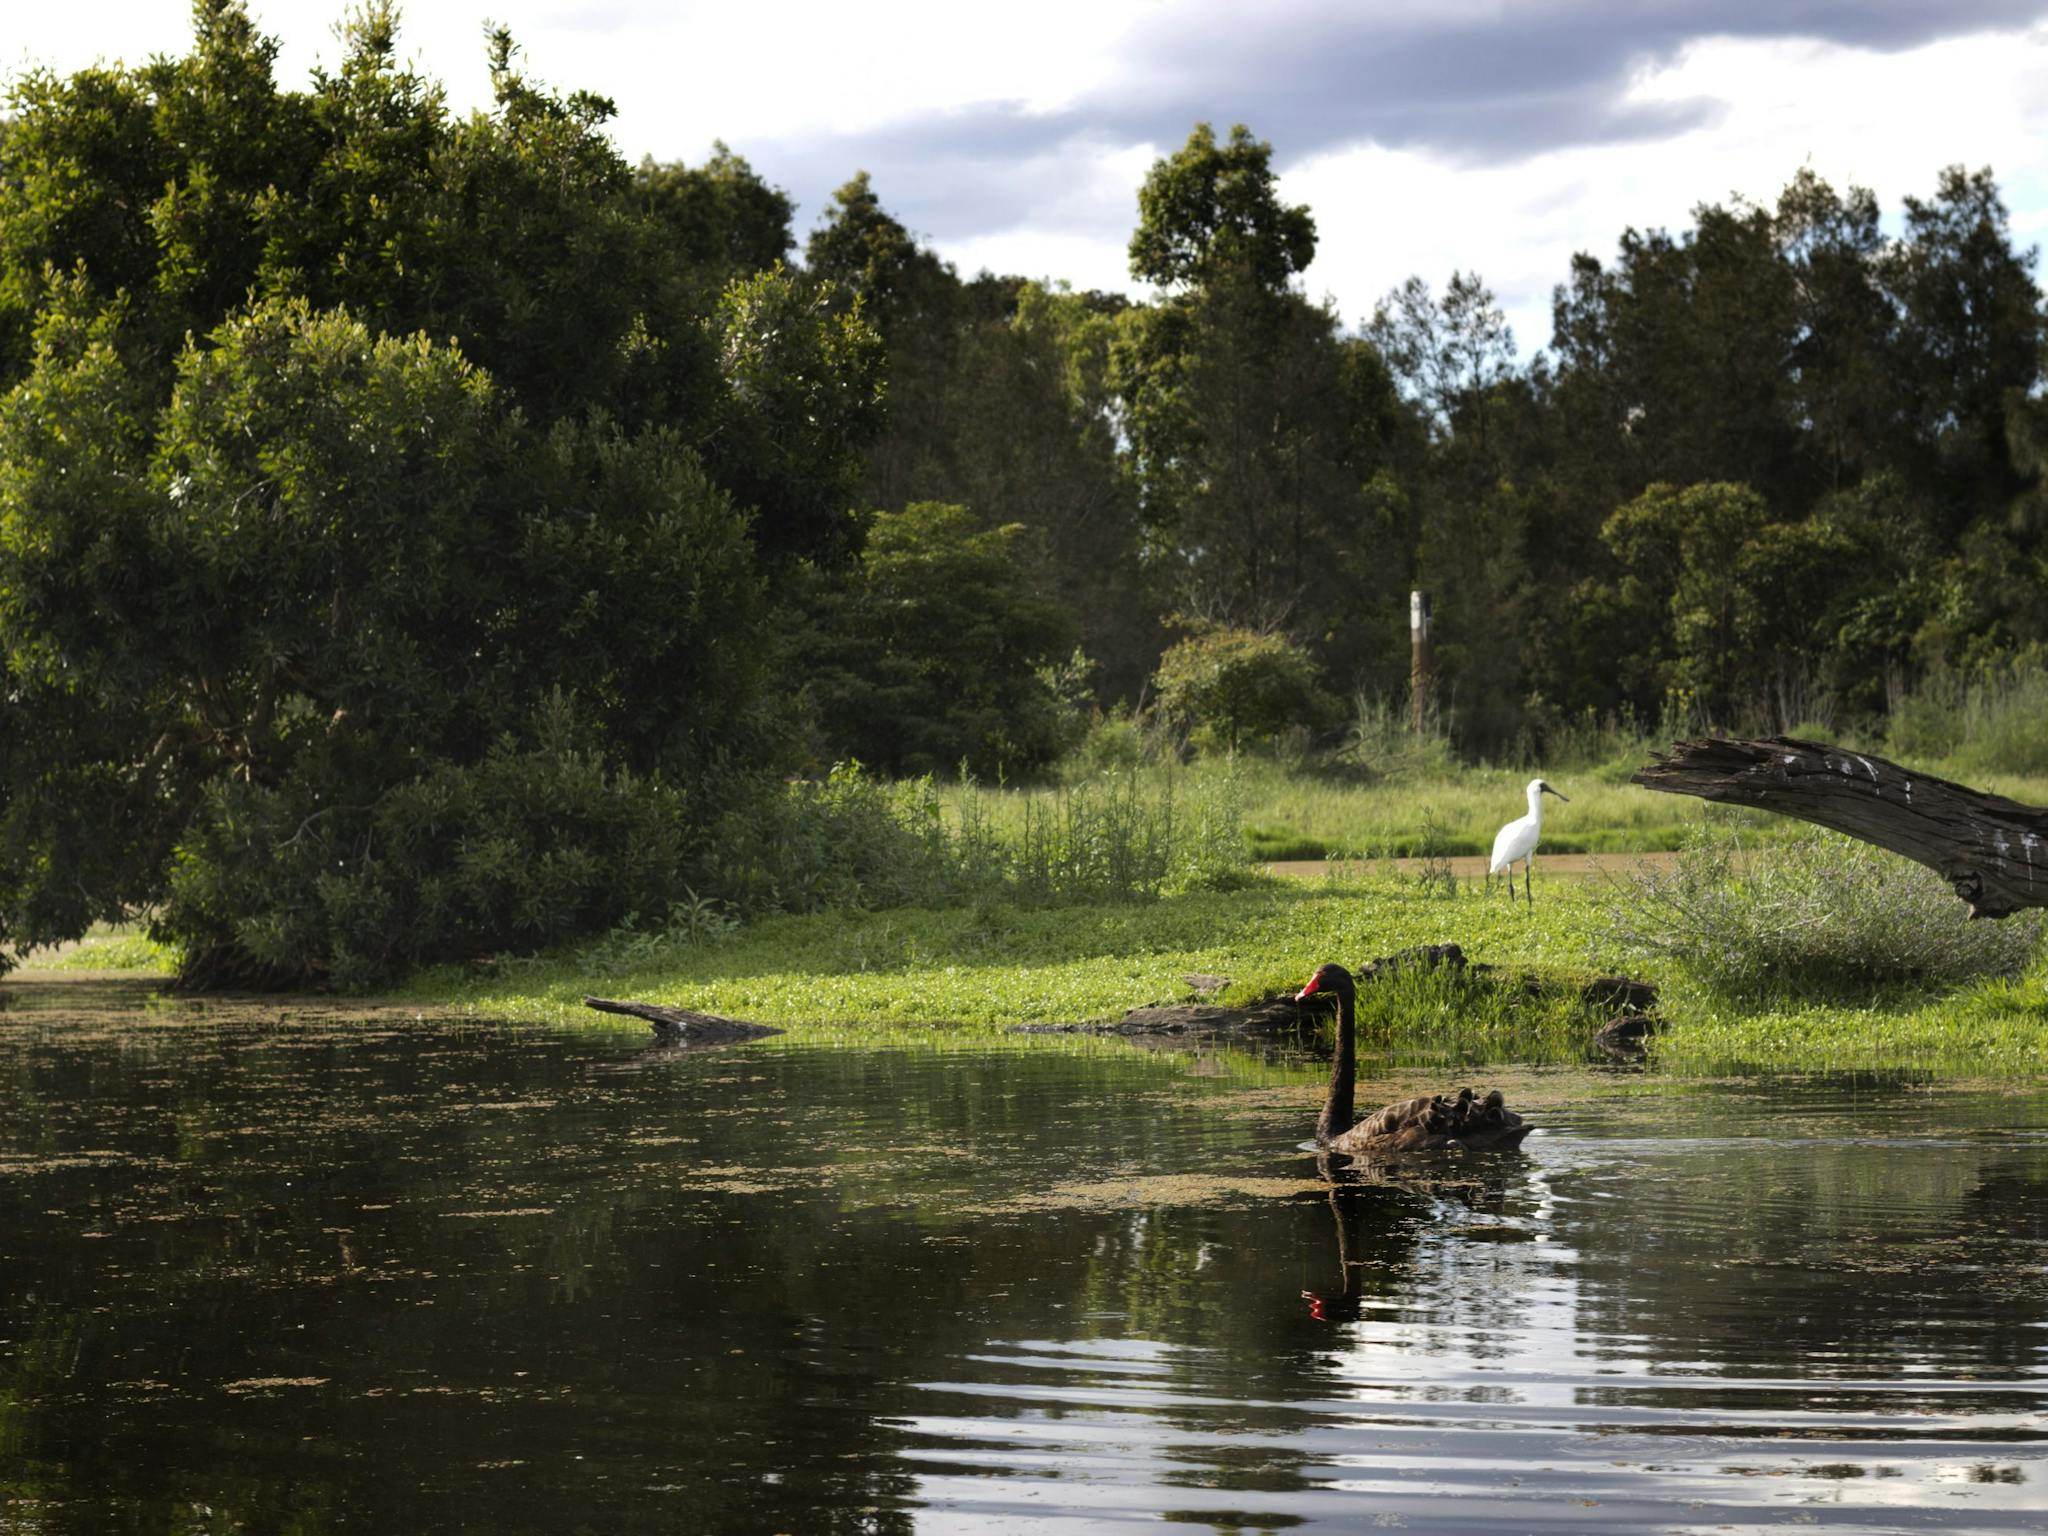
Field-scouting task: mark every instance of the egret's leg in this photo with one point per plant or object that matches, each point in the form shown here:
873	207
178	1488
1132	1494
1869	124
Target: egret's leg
1529	881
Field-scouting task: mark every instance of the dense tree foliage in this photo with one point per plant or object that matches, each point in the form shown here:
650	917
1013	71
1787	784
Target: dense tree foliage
1776	464
937	652
420	534
350	450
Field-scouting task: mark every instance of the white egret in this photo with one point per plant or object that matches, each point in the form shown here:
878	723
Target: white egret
1517	841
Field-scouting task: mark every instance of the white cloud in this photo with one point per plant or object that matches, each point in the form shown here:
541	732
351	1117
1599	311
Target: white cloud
1890	122
682	74
1079	260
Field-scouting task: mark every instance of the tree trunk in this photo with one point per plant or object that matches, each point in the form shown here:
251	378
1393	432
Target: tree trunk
1994	851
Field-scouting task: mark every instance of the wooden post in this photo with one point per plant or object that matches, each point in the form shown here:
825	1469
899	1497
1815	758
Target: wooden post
1418	657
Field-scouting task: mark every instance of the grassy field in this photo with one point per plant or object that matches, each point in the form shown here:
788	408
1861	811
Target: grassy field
1466	805
1988	1030
1291	813
1304	816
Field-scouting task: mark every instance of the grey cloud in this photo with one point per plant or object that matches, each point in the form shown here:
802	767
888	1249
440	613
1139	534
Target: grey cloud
1315	75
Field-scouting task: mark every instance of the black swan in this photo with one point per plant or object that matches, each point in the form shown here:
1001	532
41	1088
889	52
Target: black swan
1411	1125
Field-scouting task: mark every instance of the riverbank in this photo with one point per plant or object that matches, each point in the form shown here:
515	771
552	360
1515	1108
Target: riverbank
993	967
978	972
984	971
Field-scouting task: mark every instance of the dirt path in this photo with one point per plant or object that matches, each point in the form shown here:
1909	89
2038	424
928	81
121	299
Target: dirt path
1577	866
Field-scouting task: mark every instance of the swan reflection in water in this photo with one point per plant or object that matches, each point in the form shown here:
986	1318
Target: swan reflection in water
1375	1232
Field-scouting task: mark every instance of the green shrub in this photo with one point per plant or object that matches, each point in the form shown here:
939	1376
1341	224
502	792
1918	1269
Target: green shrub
1234	687
849	840
1117	742
1108	839
1821	914
1382	743
539	842
854	842
637	946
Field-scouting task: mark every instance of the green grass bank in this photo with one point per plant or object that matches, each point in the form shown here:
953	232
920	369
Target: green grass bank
977	973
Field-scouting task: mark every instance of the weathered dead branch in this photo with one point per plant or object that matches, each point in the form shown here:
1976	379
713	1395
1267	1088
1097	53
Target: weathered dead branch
1992	850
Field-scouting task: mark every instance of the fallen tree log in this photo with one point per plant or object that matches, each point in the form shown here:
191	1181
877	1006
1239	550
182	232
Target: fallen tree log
683	1026
1992	850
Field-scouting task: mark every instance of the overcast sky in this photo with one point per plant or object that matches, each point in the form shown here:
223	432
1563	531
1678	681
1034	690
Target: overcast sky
1426	135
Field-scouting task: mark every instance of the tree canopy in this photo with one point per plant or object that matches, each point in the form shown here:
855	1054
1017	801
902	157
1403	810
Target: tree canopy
349	447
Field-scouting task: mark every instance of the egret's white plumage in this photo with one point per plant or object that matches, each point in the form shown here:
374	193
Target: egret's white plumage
1516	842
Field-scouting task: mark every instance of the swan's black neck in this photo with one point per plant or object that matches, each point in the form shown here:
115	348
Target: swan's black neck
1337	1116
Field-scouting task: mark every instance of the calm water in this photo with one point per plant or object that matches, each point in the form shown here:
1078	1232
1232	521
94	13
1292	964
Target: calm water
299	1272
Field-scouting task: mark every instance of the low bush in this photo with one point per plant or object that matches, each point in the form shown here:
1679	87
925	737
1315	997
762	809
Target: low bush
1234	687
849	840
1820	914
540	841
1109	839
854	842
1381	742
1117	742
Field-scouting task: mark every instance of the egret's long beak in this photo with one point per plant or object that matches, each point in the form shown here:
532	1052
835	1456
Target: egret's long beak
1567	799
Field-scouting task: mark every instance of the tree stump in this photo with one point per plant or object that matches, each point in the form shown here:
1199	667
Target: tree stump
1992	850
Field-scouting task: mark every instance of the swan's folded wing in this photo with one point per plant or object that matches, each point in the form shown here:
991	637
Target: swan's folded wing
1405	1116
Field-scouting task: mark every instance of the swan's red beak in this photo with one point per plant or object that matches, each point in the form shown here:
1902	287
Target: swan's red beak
1315	985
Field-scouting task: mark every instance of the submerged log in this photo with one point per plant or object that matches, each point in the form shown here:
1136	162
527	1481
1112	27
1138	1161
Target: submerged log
1994	851
1624	1034
1270	1016
684	1026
